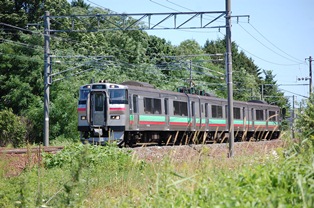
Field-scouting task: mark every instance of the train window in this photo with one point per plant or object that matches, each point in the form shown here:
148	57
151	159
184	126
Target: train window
216	111
206	109
118	96
180	108
84	94
237	113
272	116
99	103
259	115
130	104
166	103
157	106
135	104
193	108
152	106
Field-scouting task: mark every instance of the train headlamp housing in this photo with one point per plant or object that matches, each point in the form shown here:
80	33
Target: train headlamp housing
83	117
115	117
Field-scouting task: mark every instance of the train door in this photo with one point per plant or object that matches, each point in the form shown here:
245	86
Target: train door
166	111
252	118
206	116
98	108
193	113
135	112
245	119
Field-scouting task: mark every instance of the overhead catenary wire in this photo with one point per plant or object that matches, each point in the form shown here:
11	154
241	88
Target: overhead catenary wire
274	44
267	46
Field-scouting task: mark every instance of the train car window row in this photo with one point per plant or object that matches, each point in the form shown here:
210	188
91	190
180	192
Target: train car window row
154	106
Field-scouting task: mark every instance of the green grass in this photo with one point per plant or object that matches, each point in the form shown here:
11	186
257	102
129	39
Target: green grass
95	176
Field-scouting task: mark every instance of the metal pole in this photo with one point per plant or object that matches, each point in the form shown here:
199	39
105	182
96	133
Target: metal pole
191	74
310	60
229	78
47	72
293	136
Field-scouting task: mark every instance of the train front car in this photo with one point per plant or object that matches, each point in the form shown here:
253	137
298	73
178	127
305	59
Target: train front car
105	113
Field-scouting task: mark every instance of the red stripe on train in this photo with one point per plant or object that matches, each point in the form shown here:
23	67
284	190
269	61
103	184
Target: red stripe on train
81	109
117	109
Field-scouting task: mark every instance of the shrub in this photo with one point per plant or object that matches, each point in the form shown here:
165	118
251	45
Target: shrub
12	129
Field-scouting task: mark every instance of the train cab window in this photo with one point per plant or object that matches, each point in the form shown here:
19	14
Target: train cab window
152	106
166	103
206	110
180	108
272	116
217	111
259	115
118	96
84	94
236	113
135	104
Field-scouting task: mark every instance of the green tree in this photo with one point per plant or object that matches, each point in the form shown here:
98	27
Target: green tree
12	129
305	119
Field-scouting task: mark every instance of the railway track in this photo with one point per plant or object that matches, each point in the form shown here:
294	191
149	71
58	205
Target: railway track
51	149
54	149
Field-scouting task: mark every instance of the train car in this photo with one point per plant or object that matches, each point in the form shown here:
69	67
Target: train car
136	112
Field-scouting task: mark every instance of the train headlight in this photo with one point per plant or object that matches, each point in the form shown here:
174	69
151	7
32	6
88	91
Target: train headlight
115	117
83	117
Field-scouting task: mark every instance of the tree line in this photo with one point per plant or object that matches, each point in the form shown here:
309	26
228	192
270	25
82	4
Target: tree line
116	56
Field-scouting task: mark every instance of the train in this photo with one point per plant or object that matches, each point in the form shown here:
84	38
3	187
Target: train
134	112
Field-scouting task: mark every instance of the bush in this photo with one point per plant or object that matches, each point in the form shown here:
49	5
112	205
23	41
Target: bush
305	120
12	129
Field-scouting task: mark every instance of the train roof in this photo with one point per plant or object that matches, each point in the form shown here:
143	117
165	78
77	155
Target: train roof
138	84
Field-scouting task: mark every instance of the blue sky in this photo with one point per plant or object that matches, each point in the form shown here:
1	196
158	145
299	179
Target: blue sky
278	37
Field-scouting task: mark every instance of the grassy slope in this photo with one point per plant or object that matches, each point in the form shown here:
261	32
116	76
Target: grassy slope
87	176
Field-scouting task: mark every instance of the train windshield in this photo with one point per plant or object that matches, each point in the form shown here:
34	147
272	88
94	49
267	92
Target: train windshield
118	96
84	94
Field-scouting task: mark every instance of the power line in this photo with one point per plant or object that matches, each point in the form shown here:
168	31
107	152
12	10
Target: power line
294	93
266	46
274	44
281	64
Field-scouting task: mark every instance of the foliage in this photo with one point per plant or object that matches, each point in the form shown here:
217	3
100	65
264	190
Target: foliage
106	176
116	56
92	156
13	129
305	119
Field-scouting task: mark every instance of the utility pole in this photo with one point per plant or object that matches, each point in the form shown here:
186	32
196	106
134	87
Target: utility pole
292	120
191	82
229	78
47	71
310	74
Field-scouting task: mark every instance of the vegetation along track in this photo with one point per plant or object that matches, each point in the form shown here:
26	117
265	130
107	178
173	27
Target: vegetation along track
19	159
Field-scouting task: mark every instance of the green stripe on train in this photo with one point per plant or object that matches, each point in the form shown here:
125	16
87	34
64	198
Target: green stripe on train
178	119
152	118
217	121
